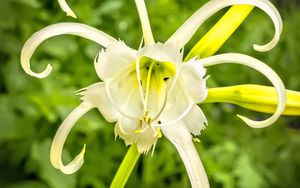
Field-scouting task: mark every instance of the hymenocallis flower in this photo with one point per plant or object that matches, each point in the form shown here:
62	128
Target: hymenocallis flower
152	91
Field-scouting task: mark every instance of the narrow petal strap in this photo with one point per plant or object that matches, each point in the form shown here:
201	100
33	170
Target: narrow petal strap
78	29
147	32
60	138
262	68
180	137
188	29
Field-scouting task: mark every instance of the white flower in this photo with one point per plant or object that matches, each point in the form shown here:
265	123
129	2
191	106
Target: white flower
150	91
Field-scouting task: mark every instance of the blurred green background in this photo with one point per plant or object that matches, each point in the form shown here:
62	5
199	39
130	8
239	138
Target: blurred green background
31	109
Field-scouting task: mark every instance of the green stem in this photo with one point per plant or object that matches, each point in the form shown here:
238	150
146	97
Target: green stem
126	167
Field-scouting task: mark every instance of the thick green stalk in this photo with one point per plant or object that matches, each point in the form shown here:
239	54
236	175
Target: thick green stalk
126	167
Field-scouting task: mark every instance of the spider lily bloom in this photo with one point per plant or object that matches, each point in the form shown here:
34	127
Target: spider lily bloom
151	92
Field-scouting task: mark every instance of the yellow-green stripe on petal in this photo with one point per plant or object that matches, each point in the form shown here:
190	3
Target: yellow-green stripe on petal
213	40
255	97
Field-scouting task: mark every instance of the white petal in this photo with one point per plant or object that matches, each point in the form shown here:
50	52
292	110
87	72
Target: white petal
265	70
60	138
192	75
59	29
178	105
180	137
116	66
128	125
123	92
161	52
65	7
194	121
112	61
96	96
187	30
146	141
126	129
141	7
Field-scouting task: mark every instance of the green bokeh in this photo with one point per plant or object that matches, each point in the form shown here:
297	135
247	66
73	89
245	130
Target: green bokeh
31	109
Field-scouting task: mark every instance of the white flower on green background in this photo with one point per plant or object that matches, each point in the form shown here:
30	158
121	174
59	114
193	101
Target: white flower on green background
152	91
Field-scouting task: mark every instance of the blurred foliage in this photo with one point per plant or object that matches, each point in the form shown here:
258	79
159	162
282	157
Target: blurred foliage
31	109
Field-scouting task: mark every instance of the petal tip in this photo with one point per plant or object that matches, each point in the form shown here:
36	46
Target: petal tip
254	124
71	14
75	165
262	48
246	120
65	7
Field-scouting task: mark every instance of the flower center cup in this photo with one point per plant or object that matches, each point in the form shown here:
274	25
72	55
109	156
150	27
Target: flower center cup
156	79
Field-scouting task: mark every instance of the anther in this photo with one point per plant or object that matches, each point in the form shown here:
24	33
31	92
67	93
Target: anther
146	113
141	123
149	121
166	78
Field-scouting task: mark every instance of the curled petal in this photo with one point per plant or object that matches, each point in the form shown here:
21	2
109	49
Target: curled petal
65	7
265	70
141	7
187	30
60	138
180	137
37	38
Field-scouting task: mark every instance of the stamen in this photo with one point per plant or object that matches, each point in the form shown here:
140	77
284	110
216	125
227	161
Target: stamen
163	106
138	74
146	116
148	84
